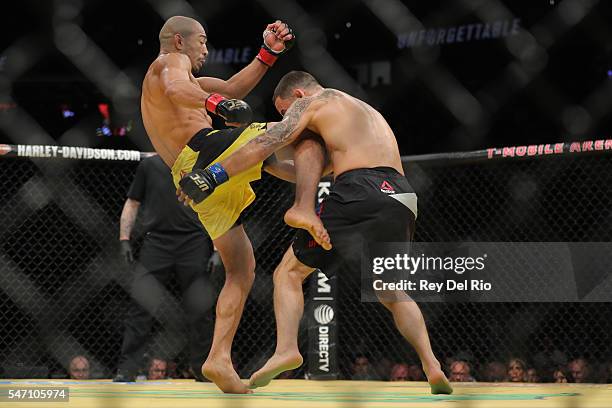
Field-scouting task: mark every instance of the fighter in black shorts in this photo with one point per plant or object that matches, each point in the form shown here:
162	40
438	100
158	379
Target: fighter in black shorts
364	205
370	202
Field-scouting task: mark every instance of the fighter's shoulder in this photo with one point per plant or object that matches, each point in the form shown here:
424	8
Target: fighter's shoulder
172	60
329	93
317	101
324	96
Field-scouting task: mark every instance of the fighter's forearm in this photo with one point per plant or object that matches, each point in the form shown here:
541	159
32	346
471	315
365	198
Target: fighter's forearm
187	94
260	148
247	157
200	184
244	81
128	218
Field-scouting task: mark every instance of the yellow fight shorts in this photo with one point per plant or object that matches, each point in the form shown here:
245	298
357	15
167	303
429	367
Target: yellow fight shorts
221	210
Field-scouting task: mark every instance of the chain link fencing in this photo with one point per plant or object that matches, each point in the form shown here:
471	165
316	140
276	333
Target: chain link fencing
64	289
462	199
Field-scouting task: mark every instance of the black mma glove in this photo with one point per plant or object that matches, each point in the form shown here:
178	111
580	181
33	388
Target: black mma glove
232	110
126	250
267	55
201	183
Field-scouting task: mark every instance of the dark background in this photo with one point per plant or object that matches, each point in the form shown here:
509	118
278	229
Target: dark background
548	83
63	286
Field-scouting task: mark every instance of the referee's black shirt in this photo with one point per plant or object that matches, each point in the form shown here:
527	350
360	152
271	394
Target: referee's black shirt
159	207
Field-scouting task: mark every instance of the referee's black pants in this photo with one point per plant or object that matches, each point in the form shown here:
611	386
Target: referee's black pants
161	256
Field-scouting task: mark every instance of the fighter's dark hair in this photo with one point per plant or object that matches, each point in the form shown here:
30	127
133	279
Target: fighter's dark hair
292	80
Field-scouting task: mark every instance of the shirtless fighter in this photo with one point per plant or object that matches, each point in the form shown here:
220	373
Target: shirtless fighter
174	108
370	201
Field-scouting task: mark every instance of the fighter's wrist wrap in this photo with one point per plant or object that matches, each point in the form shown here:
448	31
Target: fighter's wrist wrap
267	56
219	174
212	101
201	183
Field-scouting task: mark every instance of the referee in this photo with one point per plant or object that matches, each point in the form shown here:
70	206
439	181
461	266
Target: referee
175	243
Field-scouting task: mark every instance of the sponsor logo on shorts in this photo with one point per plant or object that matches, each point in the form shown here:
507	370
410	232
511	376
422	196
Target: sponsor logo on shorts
385	187
324	314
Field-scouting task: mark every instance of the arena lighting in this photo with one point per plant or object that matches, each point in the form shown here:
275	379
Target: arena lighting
66	111
103	108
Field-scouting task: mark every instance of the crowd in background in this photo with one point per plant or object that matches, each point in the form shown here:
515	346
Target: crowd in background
461	368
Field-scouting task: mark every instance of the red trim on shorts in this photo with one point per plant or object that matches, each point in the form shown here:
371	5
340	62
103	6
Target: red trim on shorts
320	209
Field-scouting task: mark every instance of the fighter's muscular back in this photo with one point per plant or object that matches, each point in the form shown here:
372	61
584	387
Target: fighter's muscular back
355	134
170	125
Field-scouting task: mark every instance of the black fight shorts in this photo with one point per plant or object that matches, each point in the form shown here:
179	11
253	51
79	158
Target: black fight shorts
364	206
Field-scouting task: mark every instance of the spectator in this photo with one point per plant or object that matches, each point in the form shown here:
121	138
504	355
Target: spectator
517	370
362	369
579	370
399	372
78	369
495	371
157	369
532	376
175	244
415	373
560	375
460	371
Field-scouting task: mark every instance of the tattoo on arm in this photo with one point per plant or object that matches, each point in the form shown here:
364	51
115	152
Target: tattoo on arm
279	133
283	130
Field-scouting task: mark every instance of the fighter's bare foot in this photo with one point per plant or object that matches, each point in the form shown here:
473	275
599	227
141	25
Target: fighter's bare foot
224	376
308	220
277	364
438	382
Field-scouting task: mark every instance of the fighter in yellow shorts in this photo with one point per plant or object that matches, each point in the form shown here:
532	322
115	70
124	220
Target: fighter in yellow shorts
174	106
223	208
